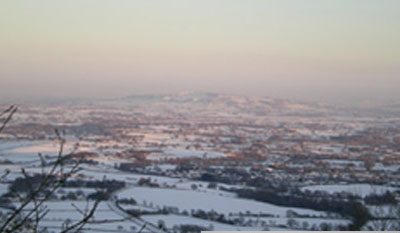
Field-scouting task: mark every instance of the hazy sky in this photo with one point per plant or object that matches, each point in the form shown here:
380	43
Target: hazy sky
330	50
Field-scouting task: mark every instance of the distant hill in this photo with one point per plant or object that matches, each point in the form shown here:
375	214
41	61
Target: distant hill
226	104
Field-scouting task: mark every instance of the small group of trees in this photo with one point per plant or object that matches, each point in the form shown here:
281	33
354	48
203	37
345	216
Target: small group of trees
212	216
386	198
191	228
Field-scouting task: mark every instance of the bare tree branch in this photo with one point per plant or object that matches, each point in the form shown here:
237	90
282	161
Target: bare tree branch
10	111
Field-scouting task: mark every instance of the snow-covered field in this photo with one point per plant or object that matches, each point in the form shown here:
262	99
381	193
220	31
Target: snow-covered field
181	184
171	220
179	153
355	189
26	152
112	174
66	210
184	153
192	200
3	188
260	223
310	221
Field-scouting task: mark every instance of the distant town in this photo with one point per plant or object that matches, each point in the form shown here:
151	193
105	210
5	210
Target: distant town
189	162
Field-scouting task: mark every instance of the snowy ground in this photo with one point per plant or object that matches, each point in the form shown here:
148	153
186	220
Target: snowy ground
171	220
66	210
3	188
184	153
188	200
356	189
25	153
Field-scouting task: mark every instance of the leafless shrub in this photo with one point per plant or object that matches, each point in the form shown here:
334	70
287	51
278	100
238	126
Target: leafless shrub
31	208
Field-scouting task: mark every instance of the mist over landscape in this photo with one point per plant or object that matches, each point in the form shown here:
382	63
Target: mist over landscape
339	52
187	116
